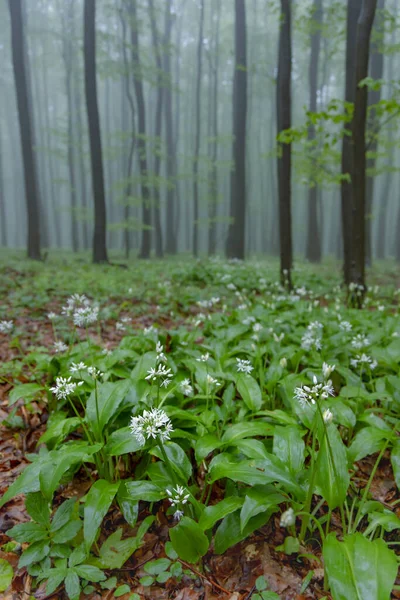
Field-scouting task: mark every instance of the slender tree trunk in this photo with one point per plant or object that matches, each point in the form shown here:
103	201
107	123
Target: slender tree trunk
81	156
157	133
3	216
197	135
313	247
142	146
358	175
171	215
374	96
235	245
353	11
26	128
100	219
284	120
213	181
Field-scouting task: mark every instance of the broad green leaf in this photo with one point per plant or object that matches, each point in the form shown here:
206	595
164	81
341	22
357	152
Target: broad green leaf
115	551
358	568
145	490
121	442
28	391
54	578
28	481
332	478
289	447
38	508
63	514
212	514
245	430
6	574
129	507
229	531
252	448
205	445
90	573
109	397
67	532
250	391
395	460
34	554
367	441
179	461
97	503
257	502
188	539
28	532
155	567
72	585
58	431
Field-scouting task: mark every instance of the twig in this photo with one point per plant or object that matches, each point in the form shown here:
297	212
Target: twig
212	583
250	592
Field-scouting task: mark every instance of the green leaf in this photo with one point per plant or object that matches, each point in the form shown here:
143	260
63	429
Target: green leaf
115	552
58	431
257	502
63	514
38	508
28	391
250	391
54	578
28	532
289	447
212	514
78	555
179	461
34	554
6	574
72	586
98	501
332	478
239	431
155	567
188	539
205	445
144	490
367	441
129	507
230	533
67	532
395	460
358	568
28	481
90	573
121	590
121	442
109	397
146	581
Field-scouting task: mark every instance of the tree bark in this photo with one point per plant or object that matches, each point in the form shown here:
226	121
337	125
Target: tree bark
195	239
26	129
353	11
235	245
358	174
284	120
141	143
171	216
313	247
374	96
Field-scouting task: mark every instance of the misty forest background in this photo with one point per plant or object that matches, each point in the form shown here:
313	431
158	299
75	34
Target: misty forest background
169	73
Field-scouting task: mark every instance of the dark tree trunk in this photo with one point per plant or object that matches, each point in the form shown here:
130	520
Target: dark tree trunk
99	236
171	216
3	220
358	174
141	143
374	96
213	178
353	11
81	158
284	120
197	135
313	248
157	133
26	129
235	244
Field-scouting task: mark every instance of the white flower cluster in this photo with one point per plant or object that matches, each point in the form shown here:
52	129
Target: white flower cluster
204	357
313	336
288	518
211	381
160	371
154	423
122	324
6	326
307	395
186	387
345	326
82	311
363	360
79	367
327	370
60	347
243	366
360	341
178	497
64	387
208	303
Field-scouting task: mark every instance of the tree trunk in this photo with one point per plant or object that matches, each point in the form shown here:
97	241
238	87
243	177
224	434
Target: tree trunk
197	135
3	216
358	174
313	248
142	146
374	96
353	11
157	133
99	236
235	244
26	129
171	216
284	120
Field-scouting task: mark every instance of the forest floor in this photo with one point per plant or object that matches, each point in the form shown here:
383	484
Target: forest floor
210	317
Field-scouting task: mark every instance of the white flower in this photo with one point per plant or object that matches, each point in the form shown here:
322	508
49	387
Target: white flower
327	370
279	338
327	416
6	326
60	347
186	387
95	373
283	362
149	330
52	316
154	423
64	387
307	395
178	495
158	371
288	518
243	366
257	327
119	326
73	302
203	357
363	359
178	514
345	326
75	368
160	352
211	380
85	315
360	341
